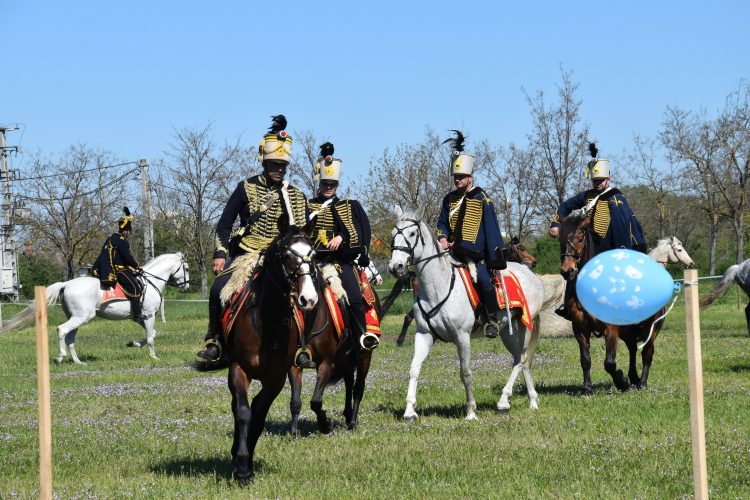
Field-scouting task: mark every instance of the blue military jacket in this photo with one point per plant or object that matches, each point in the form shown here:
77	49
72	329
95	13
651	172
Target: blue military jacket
473	229
115	256
612	218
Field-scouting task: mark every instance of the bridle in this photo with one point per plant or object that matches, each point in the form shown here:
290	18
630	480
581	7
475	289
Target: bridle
185	281
576	254
410	249
295	274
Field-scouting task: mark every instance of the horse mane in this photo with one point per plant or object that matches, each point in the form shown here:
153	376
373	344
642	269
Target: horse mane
570	225
156	260
431	231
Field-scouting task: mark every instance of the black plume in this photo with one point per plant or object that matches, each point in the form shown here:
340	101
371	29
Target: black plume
593	150
457	143
326	150
127	212
279	124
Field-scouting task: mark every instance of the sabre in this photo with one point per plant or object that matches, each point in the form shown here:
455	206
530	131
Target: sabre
507	302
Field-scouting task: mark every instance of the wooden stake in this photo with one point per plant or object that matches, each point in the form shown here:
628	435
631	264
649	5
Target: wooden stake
695	376
45	419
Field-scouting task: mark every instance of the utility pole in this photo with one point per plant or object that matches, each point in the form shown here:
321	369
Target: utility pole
148	226
9	284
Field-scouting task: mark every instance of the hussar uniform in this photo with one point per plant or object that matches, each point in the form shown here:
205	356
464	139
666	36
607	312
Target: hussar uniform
259	204
345	218
112	266
469	221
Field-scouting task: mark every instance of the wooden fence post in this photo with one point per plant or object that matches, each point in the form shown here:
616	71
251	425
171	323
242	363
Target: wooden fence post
695	376
45	420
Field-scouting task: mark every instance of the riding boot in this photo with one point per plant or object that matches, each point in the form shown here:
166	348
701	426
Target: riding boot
489	299
363	341
213	350
136	310
303	358
563	310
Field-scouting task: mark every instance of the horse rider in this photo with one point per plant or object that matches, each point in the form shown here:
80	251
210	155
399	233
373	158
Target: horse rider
612	218
259	202
468	227
116	264
341	235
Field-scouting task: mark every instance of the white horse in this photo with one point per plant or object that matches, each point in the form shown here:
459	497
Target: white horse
81	300
669	250
739	274
414	240
373	275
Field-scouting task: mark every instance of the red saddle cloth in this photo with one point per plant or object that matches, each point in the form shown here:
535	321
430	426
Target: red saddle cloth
113	294
515	293
371	315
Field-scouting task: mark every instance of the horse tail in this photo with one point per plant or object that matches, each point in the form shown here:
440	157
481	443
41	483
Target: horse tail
209	366
25	318
396	291
555	297
531	347
724	284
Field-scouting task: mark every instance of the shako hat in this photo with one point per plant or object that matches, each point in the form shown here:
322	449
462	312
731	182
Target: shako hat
328	168
276	144
597	168
461	163
123	223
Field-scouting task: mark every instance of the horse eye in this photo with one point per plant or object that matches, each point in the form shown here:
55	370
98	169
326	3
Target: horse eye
412	233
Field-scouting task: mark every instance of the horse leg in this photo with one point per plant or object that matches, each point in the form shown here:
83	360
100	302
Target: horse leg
511	343
295	404
747	318
584	346
611	337
241	456
464	356
632	344
66	333
407	321
347	362
147	325
316	402
647	357
363	366
259	410
422	345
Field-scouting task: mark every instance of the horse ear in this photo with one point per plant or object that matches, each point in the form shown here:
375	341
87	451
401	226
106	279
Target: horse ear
419	213
515	240
308	228
397	211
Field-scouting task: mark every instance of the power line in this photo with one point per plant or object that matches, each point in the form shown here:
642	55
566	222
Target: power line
79	171
81	195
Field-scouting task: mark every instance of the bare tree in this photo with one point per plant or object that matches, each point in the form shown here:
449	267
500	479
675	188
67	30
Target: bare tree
512	181
304	160
690	139
194	182
559	139
75	201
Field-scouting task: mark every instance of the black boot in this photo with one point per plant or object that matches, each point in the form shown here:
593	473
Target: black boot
302	360
489	299
212	350
136	310
363	341
563	311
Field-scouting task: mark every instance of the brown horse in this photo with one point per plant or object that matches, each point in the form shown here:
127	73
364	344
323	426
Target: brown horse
514	252
335	360
578	244
263	341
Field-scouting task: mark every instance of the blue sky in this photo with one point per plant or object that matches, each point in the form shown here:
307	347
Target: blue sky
367	74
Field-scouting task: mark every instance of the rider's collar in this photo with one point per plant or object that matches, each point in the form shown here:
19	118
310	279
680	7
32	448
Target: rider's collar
267	182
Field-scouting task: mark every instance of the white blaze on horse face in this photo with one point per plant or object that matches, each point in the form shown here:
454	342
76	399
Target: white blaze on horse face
308	295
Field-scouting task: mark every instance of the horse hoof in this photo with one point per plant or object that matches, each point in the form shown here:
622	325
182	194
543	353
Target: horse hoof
244	481
502	411
132	343
352	426
410	419
58	361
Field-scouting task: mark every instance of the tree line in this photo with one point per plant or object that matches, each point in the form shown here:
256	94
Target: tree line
691	179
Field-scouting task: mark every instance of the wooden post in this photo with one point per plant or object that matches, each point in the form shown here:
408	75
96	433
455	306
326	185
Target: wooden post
45	419
695	376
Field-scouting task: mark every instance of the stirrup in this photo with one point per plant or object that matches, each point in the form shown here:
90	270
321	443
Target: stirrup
300	351
218	346
362	341
497	328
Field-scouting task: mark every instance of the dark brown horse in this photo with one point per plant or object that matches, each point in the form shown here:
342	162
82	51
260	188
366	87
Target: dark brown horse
263	341
514	252
578	244
335	360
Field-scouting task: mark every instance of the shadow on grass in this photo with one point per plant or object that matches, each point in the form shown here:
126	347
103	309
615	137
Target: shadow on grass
447	411
86	358
564	389
220	467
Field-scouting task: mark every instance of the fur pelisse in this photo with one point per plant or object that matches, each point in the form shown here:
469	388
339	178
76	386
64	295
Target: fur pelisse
332	277
472	268
243	267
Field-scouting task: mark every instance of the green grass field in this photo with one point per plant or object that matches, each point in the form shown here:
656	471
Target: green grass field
126	426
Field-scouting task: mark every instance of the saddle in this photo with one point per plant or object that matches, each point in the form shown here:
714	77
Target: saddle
516	298
113	294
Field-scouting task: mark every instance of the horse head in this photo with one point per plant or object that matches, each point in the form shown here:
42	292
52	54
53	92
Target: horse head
677	253
179	276
292	256
517	252
408	242
576	245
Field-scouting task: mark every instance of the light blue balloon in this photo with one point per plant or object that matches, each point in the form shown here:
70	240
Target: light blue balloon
623	287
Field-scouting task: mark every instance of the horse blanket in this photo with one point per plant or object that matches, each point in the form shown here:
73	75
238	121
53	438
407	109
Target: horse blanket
515	293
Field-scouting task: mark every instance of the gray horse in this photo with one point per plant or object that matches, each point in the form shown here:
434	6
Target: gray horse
740	274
